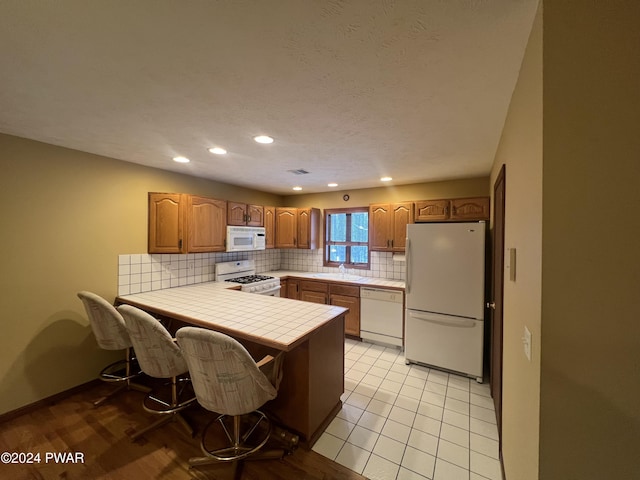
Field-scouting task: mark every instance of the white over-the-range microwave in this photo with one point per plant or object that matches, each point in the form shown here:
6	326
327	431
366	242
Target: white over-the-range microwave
242	239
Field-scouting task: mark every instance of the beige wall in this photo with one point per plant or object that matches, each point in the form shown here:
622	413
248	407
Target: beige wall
66	215
590	371
578	263
469	187
520	150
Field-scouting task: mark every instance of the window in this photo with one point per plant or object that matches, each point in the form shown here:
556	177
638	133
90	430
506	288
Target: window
347	237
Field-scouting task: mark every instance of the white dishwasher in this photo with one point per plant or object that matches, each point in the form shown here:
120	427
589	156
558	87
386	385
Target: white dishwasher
381	313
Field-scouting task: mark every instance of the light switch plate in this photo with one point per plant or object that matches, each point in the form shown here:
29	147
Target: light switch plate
526	341
510	263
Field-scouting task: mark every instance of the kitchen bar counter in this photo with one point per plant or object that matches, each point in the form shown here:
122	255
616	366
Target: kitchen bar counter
275	322
312	335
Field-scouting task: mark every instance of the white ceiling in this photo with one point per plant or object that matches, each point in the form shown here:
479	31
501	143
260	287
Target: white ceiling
350	89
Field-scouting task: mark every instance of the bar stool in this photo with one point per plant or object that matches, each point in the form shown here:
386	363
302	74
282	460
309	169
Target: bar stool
159	357
228	381
111	334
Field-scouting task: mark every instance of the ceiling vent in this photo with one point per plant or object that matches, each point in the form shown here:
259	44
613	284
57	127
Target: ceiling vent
299	171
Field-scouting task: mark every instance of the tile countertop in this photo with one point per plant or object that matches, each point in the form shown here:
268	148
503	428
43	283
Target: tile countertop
361	281
273	321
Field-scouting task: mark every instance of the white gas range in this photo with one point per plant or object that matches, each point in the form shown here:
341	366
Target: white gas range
243	272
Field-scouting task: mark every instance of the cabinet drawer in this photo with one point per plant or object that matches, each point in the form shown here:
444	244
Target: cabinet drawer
313	286
344	290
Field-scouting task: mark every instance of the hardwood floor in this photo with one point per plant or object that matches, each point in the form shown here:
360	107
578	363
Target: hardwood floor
100	435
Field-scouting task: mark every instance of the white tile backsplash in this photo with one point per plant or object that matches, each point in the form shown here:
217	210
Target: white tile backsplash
138	273
144	272
382	264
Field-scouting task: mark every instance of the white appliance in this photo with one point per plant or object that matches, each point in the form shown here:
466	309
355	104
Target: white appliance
381	315
242	239
445	296
243	272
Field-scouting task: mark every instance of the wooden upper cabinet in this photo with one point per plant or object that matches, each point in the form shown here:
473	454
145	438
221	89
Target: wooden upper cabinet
270	227
308	228
402	215
477	208
286	227
206	221
379	220
180	223
432	210
243	214
297	227
474	208
166	223
388	226
255	215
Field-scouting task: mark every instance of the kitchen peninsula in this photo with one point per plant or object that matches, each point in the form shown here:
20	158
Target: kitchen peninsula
312	335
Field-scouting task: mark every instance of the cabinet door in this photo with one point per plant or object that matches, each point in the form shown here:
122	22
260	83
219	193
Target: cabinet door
255	215
432	210
379	227
236	213
470	208
292	289
304	228
402	215
270	226
308	228
286	227
166	223
206	220
352	318
311	296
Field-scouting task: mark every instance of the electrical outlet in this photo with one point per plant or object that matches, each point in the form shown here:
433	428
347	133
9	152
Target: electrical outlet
526	342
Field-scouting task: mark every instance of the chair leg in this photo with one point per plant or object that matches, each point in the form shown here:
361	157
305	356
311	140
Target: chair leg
182	421
125	381
115	391
158	423
167	417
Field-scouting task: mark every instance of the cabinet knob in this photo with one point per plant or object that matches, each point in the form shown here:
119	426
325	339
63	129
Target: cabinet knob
491	305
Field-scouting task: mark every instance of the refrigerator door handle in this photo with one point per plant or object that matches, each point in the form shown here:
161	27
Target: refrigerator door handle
448	322
408	264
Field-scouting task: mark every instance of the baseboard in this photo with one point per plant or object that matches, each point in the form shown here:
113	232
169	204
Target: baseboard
5	417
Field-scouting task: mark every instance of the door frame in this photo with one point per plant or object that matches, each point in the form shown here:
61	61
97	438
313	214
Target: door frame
497	294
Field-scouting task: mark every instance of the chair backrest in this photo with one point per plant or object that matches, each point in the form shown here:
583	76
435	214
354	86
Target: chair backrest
156	352
107	324
224	376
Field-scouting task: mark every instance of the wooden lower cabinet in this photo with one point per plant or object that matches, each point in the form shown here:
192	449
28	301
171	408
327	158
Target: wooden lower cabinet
352	319
347	296
315	297
316	292
328	293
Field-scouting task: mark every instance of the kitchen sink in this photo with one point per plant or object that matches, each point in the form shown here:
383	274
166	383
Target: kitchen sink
337	276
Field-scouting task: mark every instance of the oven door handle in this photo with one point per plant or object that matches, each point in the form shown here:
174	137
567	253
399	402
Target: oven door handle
271	291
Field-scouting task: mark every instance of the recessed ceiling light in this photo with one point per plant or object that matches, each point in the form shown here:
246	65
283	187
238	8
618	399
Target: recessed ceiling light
263	139
297	188
332	185
386	179
181	159
218	150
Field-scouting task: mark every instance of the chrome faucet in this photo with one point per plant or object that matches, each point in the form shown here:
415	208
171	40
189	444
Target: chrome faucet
341	269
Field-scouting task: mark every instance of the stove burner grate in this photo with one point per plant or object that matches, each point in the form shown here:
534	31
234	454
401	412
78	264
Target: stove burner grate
249	279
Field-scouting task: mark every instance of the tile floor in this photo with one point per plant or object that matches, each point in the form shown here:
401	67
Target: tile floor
408	422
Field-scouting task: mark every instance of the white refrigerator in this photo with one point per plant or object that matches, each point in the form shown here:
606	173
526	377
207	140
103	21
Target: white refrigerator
445	296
